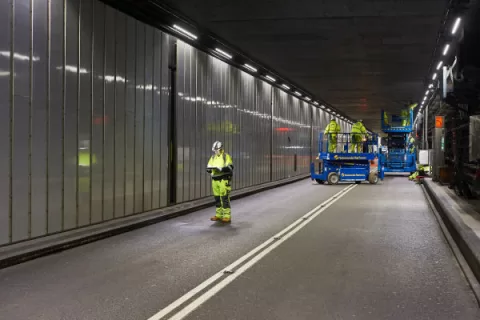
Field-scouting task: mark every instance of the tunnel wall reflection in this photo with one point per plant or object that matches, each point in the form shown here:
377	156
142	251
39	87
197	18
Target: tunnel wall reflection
85	120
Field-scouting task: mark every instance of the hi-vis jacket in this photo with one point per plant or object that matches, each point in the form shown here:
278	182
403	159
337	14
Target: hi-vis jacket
332	128
220	167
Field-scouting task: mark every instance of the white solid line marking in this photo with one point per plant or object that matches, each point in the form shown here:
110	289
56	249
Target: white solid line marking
278	239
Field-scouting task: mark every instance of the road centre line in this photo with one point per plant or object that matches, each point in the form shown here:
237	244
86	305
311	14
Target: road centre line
257	255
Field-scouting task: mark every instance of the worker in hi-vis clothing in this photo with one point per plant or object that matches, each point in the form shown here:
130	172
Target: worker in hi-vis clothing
220	167
405	113
332	130
358	135
411	144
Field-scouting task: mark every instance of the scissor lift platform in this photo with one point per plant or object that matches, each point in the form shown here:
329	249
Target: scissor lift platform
335	167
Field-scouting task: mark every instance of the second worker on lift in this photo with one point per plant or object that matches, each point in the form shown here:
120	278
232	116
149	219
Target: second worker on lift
358	135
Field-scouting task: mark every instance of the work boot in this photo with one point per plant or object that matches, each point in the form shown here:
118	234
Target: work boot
226	219
215	218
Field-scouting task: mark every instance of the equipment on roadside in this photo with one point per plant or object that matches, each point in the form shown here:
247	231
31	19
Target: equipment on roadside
335	167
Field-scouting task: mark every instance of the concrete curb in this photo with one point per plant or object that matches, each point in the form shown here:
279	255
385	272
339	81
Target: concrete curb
32	249
467	241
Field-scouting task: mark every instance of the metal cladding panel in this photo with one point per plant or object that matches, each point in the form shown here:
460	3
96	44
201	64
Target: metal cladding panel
263	130
130	116
97	142
281	133
20	122
56	113
119	114
70	141
148	124
164	119
108	116
320	122
39	121
202	141
139	142
182	50
5	116
88	109
85	106
246	105
305	146
156	118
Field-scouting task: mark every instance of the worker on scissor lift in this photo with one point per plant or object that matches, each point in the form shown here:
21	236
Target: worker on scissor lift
411	144
405	114
220	166
358	137
332	130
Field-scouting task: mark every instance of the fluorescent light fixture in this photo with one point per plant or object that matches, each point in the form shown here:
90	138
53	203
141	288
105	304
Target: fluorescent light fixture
270	78
249	67
445	50
328	109
455	26
185	32
315	103
426	92
322	106
439	65
424	98
308	98
285	86
223	53
430	85
298	93
434	76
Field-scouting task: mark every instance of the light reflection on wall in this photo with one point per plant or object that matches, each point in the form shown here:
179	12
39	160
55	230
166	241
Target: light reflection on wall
18	56
219	105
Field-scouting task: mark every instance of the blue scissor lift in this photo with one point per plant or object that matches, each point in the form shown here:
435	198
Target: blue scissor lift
334	167
397	157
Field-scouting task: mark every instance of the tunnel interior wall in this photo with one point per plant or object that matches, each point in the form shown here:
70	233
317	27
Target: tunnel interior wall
85	97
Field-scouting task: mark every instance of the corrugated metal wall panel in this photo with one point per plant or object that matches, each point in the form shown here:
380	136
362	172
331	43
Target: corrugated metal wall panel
109	116
119	114
70	141
87	112
39	120
5	116
85	133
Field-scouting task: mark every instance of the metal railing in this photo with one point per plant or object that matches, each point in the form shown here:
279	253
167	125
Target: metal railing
397	122
344	142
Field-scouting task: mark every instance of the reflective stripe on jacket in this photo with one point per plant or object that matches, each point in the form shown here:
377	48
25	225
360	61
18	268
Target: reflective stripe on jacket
222	161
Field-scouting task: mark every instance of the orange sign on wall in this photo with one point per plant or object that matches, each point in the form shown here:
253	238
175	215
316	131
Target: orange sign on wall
439	120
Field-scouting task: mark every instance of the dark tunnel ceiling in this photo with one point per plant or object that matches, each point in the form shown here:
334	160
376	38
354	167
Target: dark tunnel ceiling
358	55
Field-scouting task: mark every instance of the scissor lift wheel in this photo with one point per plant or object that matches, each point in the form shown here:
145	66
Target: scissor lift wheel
333	178
373	178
